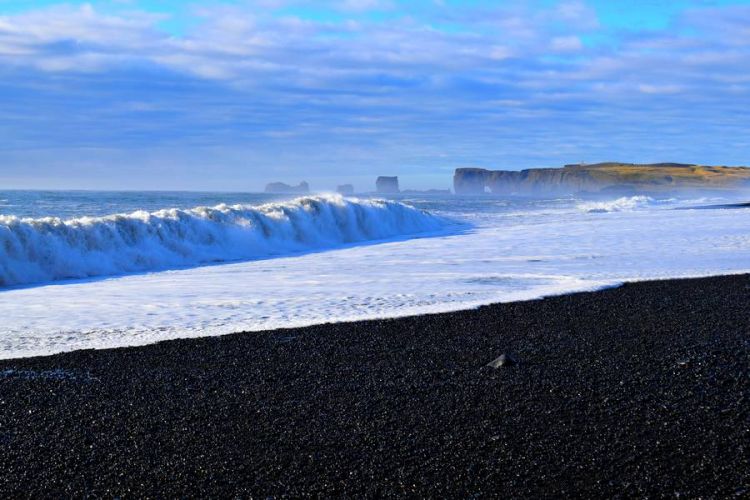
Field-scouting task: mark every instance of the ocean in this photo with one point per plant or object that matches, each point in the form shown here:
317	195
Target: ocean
85	269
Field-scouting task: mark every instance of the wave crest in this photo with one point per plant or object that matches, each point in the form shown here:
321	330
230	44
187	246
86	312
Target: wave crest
48	249
623	204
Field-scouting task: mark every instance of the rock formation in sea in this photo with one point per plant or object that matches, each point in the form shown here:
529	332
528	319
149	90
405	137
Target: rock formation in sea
280	187
345	189
600	177
387	185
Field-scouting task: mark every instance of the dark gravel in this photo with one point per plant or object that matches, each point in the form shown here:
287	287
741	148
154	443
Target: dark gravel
636	391
711	207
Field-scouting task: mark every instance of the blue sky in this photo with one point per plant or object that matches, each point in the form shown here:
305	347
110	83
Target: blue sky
225	95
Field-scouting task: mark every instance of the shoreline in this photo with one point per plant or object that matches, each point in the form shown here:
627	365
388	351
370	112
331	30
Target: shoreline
640	389
409	313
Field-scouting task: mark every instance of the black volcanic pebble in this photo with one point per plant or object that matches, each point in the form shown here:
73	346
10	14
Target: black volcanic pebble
503	360
638	391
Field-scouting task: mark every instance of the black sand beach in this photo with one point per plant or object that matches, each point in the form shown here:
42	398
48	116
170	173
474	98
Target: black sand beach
642	390
712	207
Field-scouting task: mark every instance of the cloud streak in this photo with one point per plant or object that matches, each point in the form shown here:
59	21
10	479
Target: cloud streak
366	86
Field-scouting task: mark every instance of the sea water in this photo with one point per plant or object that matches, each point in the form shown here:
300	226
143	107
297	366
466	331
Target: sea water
93	270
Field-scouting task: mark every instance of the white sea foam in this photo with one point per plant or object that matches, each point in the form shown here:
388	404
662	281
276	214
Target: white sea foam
524	251
619	205
47	249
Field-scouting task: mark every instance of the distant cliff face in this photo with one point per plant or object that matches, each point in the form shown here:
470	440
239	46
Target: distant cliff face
279	187
387	185
624	177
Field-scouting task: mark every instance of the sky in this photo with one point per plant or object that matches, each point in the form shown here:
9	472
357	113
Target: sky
230	95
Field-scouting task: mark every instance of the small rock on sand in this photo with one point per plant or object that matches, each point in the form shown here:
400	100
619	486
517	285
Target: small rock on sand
505	359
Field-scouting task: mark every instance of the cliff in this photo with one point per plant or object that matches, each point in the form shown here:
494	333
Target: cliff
387	185
279	187
600	177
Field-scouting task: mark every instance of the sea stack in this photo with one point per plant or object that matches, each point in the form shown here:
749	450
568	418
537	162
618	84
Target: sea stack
279	187
387	185
345	189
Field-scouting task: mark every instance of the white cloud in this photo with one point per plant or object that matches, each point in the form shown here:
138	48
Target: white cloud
364	5
578	14
647	88
248	44
566	43
497	71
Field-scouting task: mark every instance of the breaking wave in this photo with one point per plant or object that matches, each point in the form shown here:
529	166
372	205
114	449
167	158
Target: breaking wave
619	205
48	249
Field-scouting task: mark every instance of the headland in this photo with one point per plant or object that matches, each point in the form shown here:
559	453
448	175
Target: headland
609	177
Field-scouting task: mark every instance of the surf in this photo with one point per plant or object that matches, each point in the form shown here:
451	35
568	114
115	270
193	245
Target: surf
624	204
38	250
